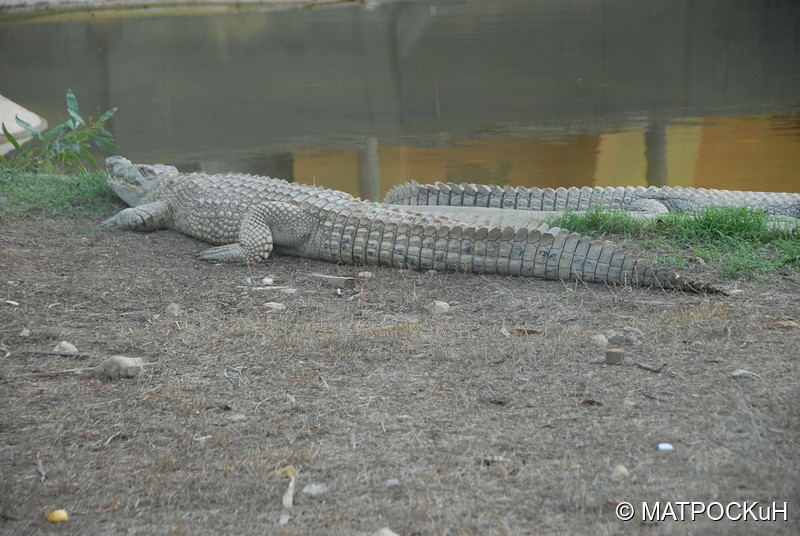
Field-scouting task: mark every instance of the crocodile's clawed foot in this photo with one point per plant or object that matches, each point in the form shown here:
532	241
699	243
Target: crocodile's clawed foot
110	222
226	253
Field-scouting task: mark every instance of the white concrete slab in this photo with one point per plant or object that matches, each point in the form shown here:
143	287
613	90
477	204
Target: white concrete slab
9	110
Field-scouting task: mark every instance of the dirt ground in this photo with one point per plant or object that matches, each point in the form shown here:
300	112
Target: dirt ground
497	417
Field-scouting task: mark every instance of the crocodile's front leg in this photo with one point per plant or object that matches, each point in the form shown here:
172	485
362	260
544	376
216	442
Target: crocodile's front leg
147	217
262	227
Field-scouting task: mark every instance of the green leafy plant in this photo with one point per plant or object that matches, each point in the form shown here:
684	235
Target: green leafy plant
65	146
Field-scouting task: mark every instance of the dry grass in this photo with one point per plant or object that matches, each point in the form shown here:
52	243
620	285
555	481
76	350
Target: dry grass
427	424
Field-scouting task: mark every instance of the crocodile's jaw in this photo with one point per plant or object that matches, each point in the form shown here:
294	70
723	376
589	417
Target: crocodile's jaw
131	194
134	183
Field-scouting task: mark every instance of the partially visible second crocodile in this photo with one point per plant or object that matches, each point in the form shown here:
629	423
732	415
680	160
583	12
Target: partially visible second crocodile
248	217
651	200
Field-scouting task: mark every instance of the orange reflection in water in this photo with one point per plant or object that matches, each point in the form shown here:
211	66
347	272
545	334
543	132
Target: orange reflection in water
735	153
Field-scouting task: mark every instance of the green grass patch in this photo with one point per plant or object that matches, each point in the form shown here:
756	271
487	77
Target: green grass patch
738	242
84	194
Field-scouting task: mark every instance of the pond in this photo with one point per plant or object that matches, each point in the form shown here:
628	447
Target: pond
364	96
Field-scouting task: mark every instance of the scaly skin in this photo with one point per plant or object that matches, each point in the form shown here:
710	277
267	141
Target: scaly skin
650	200
248	217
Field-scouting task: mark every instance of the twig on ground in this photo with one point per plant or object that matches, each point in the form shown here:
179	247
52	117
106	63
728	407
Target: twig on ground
40	467
288	497
56	352
235	376
647	367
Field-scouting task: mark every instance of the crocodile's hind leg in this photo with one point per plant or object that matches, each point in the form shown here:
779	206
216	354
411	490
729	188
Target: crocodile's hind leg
264	226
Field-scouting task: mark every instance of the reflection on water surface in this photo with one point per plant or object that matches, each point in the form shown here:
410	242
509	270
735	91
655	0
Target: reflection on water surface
549	93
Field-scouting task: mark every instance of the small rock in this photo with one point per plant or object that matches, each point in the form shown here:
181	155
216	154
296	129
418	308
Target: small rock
365	275
665	447
385	531
267	281
25	333
617	340
289	290
615	356
118	366
246	281
620	472
57	516
315	489
237	417
12	302
391	483
741	373
174	309
628	335
633	332
439	307
599	340
275	306
64	346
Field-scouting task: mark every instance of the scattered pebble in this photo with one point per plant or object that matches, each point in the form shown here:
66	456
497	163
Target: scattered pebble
237	417
391	483
615	356
25	333
246	281
741	373
174	309
599	340
12	302
118	366
275	306
439	307
620	472
315	489
267	281
385	531
365	275
665	447
57	516
65	346
628	335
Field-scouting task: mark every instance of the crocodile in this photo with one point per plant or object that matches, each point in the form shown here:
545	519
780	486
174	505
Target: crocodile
248	217
636	200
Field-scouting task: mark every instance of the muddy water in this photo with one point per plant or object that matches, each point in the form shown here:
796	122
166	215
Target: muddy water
547	93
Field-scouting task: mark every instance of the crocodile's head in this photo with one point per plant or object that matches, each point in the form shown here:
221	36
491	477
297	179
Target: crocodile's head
134	183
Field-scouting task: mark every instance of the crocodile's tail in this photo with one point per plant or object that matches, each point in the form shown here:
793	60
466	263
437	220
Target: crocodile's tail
650	200
518	198
423	243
